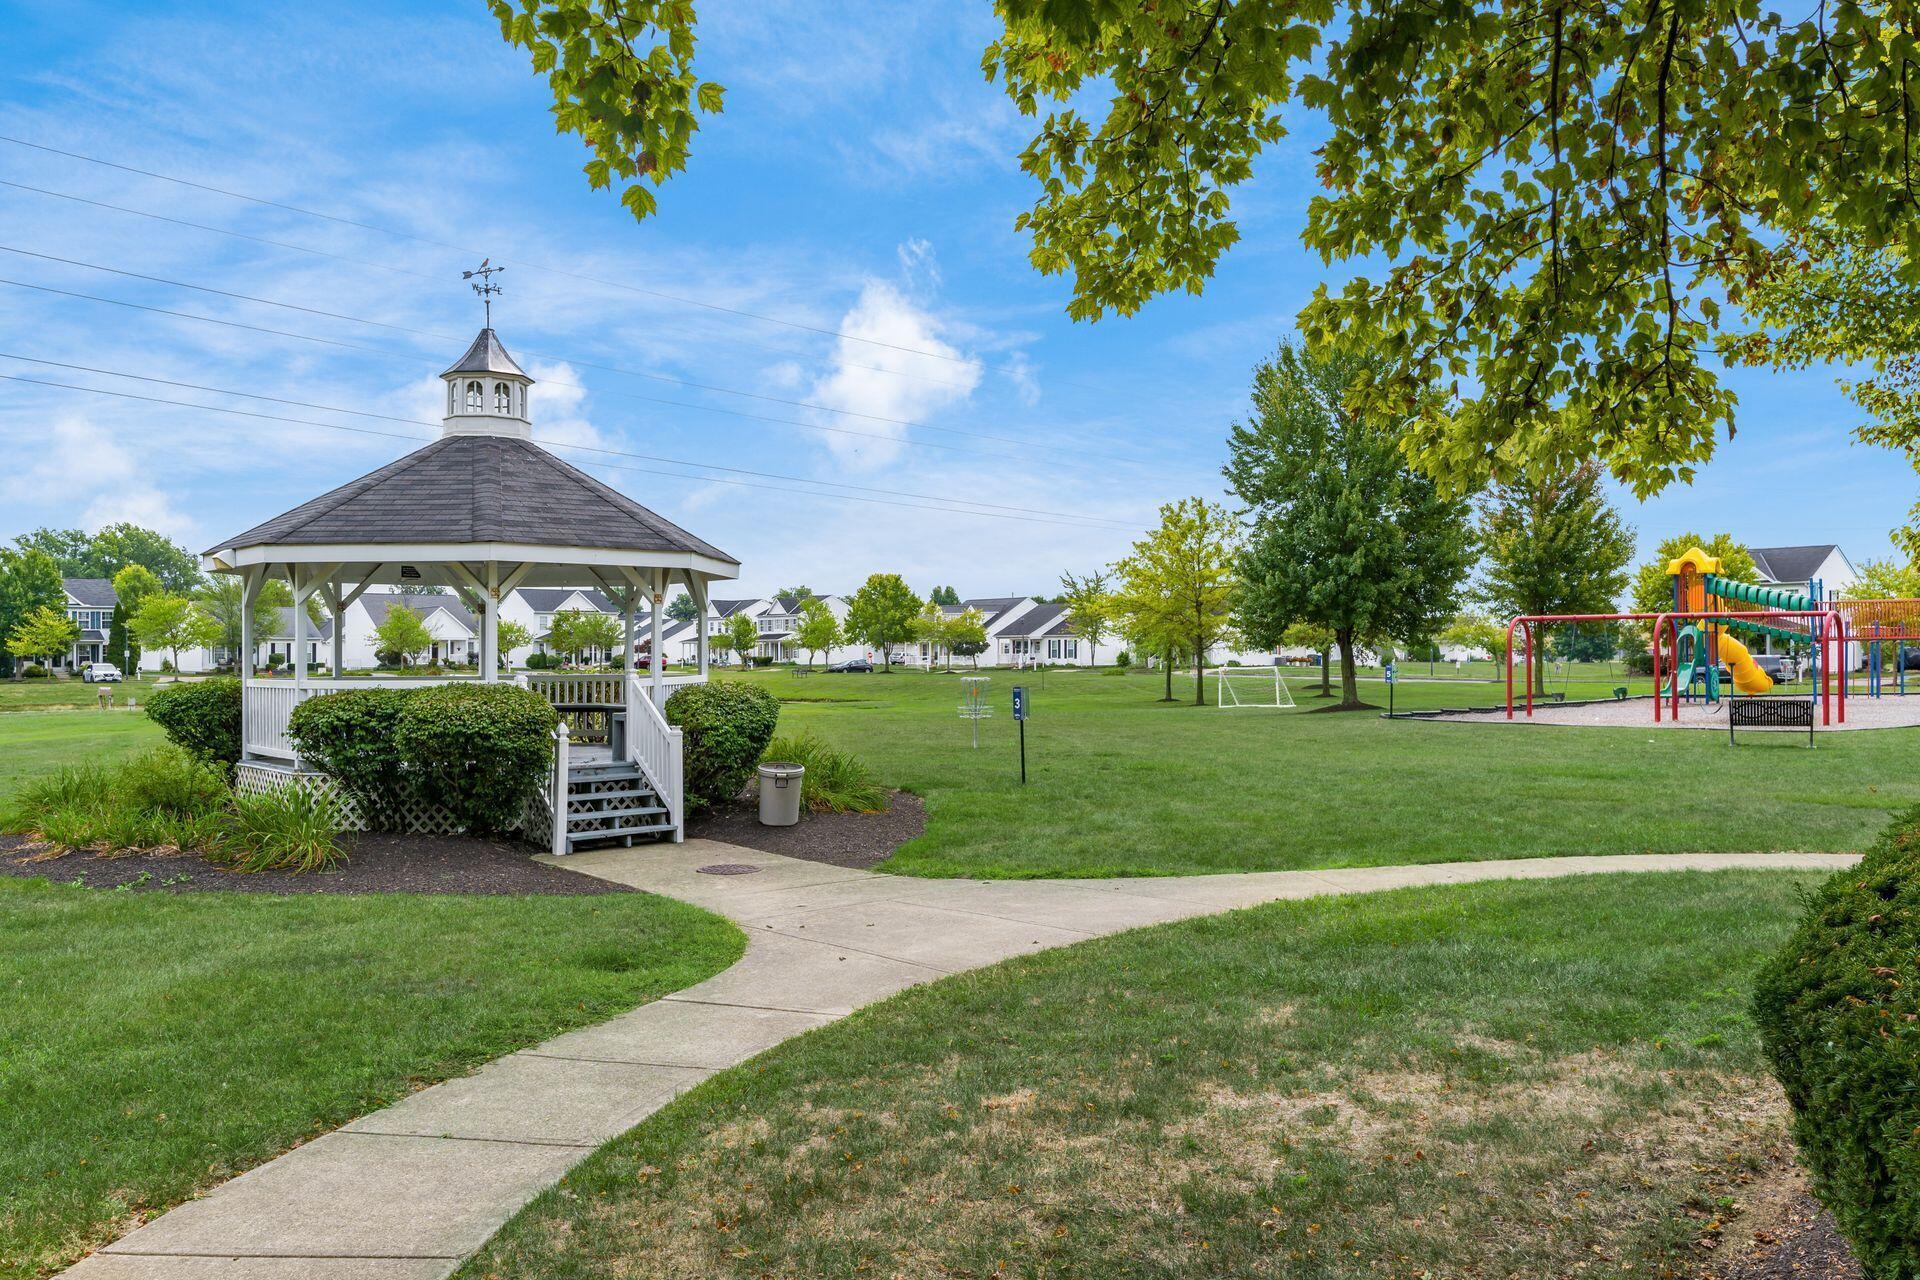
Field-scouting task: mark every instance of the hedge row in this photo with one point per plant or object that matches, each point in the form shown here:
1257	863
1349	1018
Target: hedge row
1839	1015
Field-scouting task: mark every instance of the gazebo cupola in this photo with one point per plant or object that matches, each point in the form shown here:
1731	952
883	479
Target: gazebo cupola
487	392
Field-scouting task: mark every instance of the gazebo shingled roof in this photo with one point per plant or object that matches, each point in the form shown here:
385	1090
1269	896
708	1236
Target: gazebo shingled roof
476	489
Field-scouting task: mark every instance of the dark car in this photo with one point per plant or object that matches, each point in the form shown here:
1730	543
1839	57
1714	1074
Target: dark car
852	664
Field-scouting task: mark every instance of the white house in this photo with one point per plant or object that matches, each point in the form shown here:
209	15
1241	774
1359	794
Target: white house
536	607
89	603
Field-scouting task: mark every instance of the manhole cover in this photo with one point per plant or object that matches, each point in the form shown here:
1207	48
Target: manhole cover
728	869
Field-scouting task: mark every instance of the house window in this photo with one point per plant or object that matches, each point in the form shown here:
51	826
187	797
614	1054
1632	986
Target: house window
502	398
1070	649
475	398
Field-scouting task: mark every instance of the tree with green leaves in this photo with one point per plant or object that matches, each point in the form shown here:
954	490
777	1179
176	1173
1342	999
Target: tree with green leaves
966	636
945	595
1318	637
102	555
819	630
172	622
881	614
508	636
1177	583
220	597
742	636
402	632
1886	580
1345	532
29	580
930	629
1089	601
45	633
1565	200
1552	545
131	586
682	608
1475	631
579	633
795	593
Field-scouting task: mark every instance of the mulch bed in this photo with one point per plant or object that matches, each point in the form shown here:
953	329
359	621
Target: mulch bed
375	864
1799	1243
858	840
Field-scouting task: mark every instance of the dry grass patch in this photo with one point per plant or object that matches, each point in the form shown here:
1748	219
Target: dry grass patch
1480	1083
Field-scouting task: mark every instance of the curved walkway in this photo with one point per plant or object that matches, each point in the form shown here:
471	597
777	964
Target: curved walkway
406	1193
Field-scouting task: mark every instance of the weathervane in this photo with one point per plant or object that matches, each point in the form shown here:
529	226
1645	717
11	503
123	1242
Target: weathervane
486	288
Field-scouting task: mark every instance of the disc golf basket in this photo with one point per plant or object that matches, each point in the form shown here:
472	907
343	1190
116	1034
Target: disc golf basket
973	702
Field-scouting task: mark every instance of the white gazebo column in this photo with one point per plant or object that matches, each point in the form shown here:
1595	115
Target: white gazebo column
698	586
331	592
658	659
490	626
627	599
302	590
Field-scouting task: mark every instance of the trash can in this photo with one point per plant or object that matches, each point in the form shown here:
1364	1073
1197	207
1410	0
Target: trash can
780	794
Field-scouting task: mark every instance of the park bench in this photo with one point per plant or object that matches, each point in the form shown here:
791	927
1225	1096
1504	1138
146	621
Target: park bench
1770	713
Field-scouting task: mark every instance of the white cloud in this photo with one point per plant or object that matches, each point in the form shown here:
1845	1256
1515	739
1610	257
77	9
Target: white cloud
88	465
558	406
863	379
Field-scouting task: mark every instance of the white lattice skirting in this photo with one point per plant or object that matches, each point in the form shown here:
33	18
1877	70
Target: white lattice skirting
418	815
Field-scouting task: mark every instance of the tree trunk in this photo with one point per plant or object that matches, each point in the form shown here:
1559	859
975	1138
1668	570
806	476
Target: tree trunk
1199	677
1326	672
1349	684
1539	670
1166	668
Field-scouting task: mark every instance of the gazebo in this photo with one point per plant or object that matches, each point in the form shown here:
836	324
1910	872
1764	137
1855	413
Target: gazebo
481	511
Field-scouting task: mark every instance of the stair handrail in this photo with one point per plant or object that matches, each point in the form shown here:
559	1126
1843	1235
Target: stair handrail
656	748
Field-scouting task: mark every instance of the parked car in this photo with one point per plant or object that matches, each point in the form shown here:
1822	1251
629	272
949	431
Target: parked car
852	664
101	673
1783	669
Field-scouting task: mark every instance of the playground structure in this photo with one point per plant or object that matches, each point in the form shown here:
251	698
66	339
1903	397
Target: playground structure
1692	641
1876	624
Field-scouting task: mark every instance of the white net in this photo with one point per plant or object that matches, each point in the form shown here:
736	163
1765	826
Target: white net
1249	687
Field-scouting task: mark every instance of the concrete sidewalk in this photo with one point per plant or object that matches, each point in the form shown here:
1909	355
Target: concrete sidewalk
406	1193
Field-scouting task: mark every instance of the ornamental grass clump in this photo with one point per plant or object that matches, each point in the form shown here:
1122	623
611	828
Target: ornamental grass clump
159	800
1839	1016
287	829
480	750
726	726
835	781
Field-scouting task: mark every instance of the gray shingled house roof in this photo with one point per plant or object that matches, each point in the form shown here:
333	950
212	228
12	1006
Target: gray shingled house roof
283	625
377	603
996	606
92	593
548	599
476	488
1790	564
487	355
1036	620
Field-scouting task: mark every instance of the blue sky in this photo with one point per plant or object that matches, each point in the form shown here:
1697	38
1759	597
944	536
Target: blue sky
861	181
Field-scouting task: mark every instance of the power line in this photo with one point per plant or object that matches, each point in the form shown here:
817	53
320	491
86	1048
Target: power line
1089	521
390	354
677	475
443	244
544	355
417	275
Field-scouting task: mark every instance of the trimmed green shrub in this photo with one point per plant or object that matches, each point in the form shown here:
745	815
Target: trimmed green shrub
351	735
202	717
726	726
538	662
286	829
834	782
479	749
33	671
1839	1016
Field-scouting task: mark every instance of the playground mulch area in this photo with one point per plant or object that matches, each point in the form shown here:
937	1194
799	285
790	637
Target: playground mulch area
1637	713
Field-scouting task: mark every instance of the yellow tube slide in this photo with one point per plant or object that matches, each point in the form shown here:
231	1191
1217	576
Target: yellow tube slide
1748	678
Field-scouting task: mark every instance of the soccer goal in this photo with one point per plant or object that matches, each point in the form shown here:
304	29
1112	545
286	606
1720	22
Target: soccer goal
1250	687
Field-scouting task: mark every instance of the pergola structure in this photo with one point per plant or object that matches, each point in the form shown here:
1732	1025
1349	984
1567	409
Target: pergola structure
480	511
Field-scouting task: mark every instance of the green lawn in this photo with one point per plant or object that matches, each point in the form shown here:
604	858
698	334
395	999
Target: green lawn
43	695
152	1045
1506	1080
1124	785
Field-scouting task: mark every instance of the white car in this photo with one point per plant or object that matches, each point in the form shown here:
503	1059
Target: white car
101	673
